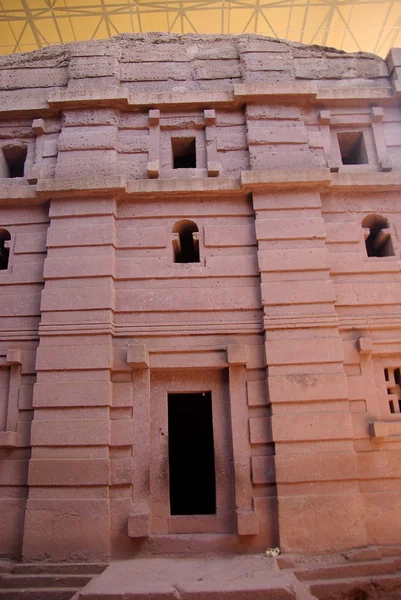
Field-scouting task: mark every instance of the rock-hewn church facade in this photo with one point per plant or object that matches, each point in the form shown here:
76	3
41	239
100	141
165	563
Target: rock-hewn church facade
200	308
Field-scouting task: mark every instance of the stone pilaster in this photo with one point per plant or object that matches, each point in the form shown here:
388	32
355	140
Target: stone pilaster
316	469
68	509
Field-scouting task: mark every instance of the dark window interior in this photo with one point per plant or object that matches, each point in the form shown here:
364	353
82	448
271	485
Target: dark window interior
191	454
187	251
378	243
15	158
4	249
184	153
352	148
393	380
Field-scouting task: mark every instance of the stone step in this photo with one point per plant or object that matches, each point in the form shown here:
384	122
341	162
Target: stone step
37	594
386	587
59	568
341	570
200	544
6	567
24	580
238	577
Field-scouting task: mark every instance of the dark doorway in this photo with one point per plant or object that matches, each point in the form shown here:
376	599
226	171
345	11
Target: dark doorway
191	454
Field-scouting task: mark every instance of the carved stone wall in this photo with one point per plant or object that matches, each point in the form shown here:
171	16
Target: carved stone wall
277	166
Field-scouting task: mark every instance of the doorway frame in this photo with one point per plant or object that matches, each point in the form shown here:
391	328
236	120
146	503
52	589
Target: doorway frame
231	358
179	382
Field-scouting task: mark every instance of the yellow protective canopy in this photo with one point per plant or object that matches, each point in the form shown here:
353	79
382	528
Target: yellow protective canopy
351	25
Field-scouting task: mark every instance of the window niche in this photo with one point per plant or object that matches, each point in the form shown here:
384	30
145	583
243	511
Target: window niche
377	236
14	158
352	148
186	242
184	152
355	140
393	384
5	238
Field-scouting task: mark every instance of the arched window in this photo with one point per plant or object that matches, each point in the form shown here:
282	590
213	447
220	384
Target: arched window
378	240
186	242
5	236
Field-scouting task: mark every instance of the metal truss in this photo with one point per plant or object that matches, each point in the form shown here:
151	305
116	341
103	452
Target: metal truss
352	25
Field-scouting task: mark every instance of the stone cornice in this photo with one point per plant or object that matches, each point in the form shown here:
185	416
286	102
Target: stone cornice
296	92
364	182
250	181
285	178
53	188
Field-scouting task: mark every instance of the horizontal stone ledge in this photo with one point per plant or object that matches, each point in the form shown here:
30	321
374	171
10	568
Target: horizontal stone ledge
192	98
275	91
366	181
354	95
59	187
297	92
177	186
105	97
310	321
252	180
139	356
17	192
213	360
149	330
64	98
26	105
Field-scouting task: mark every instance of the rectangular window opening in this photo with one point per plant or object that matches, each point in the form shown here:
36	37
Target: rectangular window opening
352	148
391	404
15	157
386	375
184	152
191	454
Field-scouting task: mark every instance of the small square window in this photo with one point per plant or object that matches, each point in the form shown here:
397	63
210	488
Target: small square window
352	148
15	157
184	152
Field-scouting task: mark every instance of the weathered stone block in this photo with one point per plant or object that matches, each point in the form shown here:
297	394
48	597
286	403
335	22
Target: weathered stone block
138	525
137	356
247	523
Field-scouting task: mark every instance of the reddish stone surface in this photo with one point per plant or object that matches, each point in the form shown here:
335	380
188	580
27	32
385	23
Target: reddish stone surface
252	577
282	162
